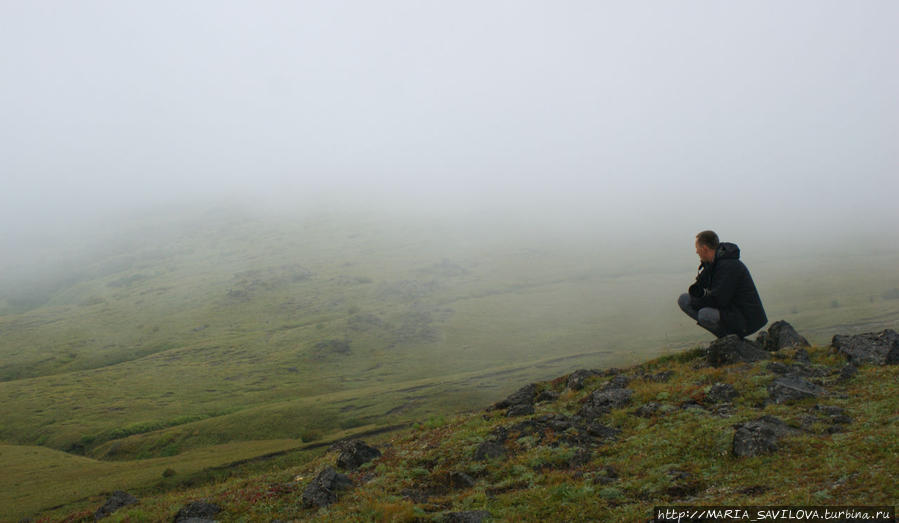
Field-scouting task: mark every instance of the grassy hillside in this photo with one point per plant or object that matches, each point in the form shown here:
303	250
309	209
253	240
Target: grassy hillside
679	453
175	332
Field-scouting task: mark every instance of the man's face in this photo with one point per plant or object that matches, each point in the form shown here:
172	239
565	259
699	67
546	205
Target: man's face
706	253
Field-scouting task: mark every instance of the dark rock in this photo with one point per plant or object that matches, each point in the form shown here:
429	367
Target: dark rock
322	491
470	516
618	382
354	453
611	371
802	356
732	349
893	355
522	409
871	348
647	410
489	450
547	395
791	388
848	371
602	401
777	367
197	510
576	378
721	392
782	335
556	422
523	396
116	500
760	436
762	339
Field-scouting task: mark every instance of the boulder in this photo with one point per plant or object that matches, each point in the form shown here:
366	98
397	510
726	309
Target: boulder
116	500
759	436
354	453
617	382
733	349
791	388
872	348
781	335
197	511
322	490
523	396
602	401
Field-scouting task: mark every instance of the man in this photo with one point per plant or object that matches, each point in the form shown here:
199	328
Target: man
723	299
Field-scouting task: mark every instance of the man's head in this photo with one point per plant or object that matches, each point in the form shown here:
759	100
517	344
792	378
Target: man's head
706	245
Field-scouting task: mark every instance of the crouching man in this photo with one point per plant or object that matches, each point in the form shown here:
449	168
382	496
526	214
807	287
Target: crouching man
723	299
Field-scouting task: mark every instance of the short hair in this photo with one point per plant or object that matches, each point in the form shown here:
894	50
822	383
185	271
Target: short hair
708	238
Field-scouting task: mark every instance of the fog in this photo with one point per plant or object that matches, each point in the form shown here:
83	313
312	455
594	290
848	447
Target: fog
636	121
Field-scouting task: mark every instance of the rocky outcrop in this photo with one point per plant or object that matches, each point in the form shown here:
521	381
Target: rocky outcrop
323	490
792	388
520	402
732	349
780	336
869	348
759	436
116	500
354	453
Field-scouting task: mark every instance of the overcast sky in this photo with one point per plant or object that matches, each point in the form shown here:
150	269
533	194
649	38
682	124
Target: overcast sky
678	113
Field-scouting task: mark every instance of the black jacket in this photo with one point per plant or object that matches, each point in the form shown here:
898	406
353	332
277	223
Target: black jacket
726	285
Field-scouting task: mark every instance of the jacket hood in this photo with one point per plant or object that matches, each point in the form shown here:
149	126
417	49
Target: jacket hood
727	250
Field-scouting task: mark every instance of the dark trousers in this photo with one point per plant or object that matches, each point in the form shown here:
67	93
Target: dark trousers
708	318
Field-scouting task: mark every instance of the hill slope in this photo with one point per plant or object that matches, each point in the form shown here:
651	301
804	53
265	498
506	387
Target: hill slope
796	426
